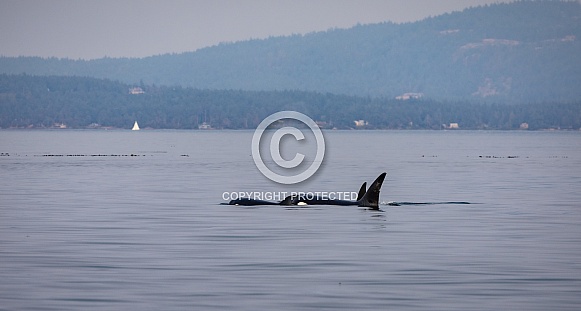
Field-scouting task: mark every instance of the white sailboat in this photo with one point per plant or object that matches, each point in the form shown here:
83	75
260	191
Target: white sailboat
135	127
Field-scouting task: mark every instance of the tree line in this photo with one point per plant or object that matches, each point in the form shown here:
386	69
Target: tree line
80	102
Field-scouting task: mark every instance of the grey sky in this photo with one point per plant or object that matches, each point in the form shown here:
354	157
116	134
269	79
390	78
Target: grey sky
138	28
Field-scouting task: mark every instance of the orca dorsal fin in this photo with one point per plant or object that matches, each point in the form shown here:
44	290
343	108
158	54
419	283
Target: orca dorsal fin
289	200
362	191
371	197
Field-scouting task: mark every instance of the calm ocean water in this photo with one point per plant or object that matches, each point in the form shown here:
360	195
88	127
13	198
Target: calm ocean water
146	232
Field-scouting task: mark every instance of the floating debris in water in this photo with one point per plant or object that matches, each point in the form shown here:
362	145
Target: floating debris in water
499	157
516	157
92	155
79	155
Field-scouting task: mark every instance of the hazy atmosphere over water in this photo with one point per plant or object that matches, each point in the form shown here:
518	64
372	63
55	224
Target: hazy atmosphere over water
95	29
140	182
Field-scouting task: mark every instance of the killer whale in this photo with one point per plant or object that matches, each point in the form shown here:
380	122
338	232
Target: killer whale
365	198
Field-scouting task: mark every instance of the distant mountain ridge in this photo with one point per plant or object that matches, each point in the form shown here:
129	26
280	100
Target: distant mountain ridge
527	51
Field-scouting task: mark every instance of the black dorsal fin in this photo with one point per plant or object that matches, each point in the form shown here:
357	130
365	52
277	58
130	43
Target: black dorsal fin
286	201
371	197
362	191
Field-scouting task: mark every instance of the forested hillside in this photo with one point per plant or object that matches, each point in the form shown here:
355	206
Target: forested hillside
522	52
51	101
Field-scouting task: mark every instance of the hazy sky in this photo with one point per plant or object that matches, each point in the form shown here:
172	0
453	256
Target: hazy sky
137	28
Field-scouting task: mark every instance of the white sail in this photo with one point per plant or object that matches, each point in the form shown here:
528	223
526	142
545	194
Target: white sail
135	127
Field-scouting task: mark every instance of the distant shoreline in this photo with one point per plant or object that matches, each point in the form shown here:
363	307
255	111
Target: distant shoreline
118	129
